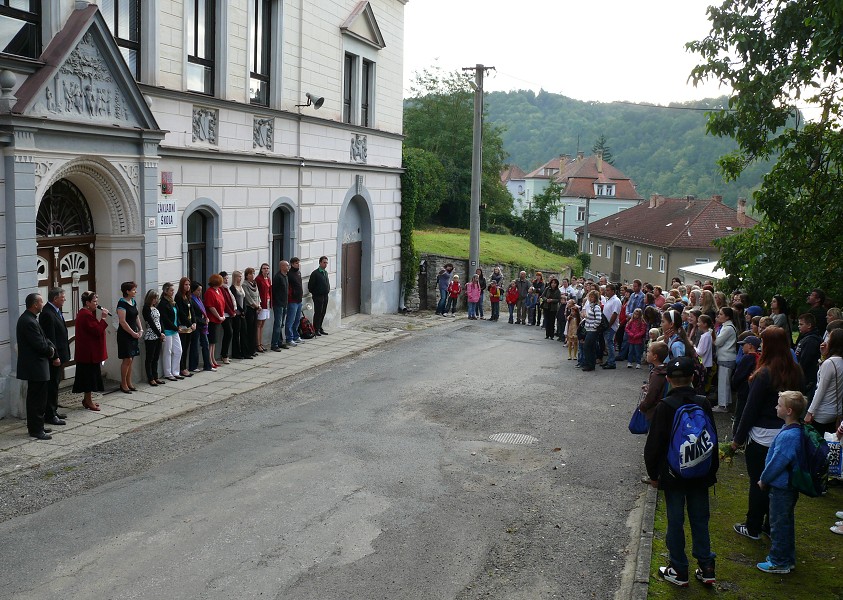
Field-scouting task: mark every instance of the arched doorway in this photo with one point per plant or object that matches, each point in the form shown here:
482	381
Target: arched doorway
355	235
64	231
283	238
197	247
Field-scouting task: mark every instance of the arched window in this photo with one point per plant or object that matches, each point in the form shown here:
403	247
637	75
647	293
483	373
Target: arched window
63	212
279	222
197	246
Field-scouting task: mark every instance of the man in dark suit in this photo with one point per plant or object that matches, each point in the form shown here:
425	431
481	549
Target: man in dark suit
35	352
52	322
319	287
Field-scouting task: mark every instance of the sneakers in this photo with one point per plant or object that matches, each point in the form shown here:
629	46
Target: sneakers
839	514
719	409
741	529
638	366
670	574
769	567
628	365
706	575
292	343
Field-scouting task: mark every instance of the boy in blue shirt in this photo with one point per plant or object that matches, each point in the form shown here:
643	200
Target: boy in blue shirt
781	458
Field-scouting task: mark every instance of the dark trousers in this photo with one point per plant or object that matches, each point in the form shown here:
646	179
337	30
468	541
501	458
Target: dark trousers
759	500
238	323
320	307
550	322
227	333
186	339
696	502
590	349
251	331
51	408
36	400
153	353
200	341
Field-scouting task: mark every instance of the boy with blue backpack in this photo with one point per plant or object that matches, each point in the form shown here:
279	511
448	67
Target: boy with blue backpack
682	458
782	460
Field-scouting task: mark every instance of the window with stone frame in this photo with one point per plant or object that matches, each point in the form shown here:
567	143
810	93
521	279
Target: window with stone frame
20	27
661	263
123	18
201	48
358	90
650	260
260	49
638	258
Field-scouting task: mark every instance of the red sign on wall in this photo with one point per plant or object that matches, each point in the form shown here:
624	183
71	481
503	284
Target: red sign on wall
166	182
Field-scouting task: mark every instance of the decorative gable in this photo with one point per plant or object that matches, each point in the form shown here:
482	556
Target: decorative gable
362	25
85	79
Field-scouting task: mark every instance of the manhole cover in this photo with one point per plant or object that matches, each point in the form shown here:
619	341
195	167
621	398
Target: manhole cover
513	438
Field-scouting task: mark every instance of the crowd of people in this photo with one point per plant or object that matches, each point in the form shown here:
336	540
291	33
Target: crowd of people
221	322
728	353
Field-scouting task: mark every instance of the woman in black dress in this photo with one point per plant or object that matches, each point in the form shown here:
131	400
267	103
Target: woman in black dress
129	332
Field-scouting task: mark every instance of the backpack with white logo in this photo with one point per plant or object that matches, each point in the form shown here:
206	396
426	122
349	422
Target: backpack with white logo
693	442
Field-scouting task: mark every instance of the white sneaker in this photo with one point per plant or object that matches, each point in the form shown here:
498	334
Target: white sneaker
292	343
719	409
638	366
629	365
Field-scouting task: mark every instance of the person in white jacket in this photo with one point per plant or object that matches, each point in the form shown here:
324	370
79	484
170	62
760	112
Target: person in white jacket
726	347
827	406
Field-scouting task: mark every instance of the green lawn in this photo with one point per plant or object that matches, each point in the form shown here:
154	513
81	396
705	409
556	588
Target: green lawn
494	249
818	551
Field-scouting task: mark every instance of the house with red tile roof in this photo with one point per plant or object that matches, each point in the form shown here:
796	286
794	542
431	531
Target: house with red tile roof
512	177
605	187
652	241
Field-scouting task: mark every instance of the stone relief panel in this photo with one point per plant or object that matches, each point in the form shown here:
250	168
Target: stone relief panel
84	88
264	131
132	171
42	167
358	149
205	124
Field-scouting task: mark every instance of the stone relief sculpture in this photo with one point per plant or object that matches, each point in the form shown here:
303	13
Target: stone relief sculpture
358	149
83	86
263	133
205	125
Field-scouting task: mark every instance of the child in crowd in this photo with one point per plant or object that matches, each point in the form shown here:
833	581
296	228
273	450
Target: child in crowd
472	293
763	324
655	386
636	328
754	325
530	302
780	461
704	346
495	300
511	299
573	323
453	295
743	371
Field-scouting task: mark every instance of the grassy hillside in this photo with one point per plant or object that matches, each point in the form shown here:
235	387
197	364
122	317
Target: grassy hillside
494	249
663	149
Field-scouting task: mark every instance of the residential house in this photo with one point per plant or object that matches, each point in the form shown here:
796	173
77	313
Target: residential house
512	177
652	241
150	140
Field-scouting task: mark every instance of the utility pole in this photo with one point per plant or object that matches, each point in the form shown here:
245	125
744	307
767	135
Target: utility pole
476	169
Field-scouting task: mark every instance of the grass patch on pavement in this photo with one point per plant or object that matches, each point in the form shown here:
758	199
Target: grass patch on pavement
494	249
819	553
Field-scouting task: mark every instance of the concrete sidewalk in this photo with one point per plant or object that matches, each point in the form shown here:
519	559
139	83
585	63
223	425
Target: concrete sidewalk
123	412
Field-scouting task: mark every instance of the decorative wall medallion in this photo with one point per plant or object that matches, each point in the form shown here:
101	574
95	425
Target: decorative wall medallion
41	168
264	130
205	122
73	262
41	267
358	148
132	171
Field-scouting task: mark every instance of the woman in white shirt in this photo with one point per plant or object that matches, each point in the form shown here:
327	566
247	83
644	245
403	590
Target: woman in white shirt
726	348
827	405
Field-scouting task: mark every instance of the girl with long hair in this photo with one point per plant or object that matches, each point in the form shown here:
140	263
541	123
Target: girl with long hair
726	351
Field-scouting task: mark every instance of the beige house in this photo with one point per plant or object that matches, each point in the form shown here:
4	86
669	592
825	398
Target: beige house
652	241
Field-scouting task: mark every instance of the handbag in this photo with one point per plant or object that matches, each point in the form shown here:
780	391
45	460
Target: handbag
638	423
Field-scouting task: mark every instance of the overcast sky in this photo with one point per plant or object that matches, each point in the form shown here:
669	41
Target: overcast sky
604	51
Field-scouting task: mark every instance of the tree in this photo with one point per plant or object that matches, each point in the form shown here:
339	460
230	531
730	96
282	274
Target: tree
424	178
775	55
439	118
602	144
534	224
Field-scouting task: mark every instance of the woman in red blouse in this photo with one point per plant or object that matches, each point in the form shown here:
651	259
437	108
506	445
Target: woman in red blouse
215	307
264	282
90	349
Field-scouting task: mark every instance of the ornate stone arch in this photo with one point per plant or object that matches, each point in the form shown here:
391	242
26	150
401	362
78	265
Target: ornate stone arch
114	204
362	200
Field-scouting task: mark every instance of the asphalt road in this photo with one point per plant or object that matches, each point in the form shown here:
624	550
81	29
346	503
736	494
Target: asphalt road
373	478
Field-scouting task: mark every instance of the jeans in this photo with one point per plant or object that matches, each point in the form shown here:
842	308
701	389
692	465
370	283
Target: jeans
696	500
291	323
782	526
511	308
759	500
609	339
480	305
440	308
590	350
635	351
200	341
625	350
278	312
496	310
473	311
451	305
531	315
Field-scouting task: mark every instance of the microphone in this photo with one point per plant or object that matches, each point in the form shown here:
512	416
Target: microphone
102	309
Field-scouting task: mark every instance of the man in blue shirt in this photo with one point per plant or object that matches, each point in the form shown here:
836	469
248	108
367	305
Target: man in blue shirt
442	280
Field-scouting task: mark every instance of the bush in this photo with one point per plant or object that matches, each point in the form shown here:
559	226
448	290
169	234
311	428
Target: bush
498	228
563	246
585	260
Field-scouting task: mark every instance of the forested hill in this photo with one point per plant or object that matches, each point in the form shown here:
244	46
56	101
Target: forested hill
663	150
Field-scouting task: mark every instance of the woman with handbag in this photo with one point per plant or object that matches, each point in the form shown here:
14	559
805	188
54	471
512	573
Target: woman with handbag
824	413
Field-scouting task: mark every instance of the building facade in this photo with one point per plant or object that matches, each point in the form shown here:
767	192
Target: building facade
139	146
653	241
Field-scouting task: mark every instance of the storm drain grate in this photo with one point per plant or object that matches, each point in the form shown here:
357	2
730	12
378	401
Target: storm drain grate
513	438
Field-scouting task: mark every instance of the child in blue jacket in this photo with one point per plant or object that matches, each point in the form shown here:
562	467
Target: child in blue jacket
781	458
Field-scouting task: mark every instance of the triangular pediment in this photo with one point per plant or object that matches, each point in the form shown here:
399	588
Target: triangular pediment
362	25
85	79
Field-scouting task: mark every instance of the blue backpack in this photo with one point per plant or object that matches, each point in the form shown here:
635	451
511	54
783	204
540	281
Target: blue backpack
693	442
810	474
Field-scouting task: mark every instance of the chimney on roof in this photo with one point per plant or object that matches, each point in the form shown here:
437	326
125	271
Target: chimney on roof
599	161
741	211
656	200
564	158
717	198
580	155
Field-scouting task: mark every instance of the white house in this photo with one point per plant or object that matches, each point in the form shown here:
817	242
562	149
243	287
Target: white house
140	146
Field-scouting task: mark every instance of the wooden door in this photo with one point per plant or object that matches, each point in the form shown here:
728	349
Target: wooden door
352	258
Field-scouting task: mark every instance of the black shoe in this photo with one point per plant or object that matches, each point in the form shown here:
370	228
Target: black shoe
277	349
670	574
323	332
608	366
61	415
285	346
706	575
41	435
47	430
54	421
588	368
318	333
